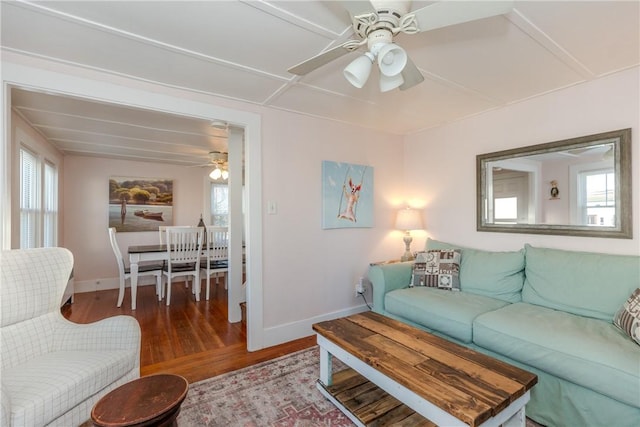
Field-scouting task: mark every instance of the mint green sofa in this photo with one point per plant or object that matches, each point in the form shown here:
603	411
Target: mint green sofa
548	311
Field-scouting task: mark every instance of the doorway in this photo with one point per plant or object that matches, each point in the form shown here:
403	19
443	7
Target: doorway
15	76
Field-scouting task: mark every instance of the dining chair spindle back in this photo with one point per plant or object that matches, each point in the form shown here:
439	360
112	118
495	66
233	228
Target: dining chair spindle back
184	246
216	254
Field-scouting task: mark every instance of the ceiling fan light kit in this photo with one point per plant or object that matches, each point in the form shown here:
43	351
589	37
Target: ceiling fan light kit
378	21
219	160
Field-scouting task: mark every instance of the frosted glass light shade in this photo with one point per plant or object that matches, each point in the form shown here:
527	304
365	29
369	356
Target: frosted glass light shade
388	83
409	219
391	59
215	174
357	72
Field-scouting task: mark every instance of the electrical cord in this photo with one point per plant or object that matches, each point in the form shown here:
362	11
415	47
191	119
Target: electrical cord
365	300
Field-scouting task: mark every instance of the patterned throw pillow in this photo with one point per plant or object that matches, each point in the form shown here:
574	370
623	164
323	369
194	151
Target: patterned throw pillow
442	269
628	317
419	266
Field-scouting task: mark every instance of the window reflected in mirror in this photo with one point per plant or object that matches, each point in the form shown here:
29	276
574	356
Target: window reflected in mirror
580	186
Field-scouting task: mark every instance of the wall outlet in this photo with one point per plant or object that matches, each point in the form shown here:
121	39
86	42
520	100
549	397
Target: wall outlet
359	287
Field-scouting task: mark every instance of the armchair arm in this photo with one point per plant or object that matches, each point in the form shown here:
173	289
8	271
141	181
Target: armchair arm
113	333
5	408
387	277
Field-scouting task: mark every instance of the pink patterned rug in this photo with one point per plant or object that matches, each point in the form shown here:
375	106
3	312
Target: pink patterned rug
280	393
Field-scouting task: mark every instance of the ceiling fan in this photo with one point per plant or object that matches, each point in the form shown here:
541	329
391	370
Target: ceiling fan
376	22
217	159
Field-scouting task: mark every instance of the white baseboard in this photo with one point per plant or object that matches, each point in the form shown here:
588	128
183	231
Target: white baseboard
108	283
292	331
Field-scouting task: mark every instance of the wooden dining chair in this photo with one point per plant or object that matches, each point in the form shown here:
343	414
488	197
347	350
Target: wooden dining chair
184	246
125	273
216	254
162	231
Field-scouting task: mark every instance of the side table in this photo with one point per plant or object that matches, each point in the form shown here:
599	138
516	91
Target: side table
153	400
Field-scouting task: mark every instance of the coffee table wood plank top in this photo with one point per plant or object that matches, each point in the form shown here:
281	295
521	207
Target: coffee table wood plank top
460	382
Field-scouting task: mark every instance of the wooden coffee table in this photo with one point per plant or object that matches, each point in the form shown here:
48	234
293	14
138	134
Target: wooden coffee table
153	400
406	375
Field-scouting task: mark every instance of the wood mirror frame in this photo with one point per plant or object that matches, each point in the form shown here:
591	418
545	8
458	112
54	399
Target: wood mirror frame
617	148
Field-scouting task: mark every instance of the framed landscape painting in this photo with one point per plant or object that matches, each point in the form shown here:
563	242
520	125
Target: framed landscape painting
347	195
140	204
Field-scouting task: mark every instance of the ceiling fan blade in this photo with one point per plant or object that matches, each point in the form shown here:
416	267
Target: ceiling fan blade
411	75
445	13
356	8
321	59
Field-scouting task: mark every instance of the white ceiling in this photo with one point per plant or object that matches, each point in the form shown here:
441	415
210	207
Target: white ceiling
241	50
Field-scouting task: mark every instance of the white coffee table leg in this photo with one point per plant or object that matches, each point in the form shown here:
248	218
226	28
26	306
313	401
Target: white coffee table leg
518	420
325	367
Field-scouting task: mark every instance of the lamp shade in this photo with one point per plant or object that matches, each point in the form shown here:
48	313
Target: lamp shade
216	173
388	83
358	71
409	219
391	59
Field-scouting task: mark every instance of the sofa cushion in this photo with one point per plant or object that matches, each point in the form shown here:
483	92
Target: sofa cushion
44	388
589	352
450	313
628	317
494	274
588	284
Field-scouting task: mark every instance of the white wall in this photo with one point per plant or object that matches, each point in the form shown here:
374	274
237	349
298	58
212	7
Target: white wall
441	171
310	271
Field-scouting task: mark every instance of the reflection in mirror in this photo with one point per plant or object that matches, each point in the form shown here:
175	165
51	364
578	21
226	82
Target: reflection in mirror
580	186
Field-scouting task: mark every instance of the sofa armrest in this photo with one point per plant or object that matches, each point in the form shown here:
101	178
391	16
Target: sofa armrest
387	277
114	333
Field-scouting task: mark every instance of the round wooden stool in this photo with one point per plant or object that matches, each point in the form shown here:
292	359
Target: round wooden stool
153	400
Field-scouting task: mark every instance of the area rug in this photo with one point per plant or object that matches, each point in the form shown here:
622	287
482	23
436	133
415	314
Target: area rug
280	393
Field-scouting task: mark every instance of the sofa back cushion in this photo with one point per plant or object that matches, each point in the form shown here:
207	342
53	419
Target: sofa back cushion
498	275
583	283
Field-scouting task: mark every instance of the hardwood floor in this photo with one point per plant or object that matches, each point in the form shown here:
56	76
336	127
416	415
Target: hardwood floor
188	338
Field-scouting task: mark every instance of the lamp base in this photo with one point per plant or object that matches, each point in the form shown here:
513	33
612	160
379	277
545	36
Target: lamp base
407	256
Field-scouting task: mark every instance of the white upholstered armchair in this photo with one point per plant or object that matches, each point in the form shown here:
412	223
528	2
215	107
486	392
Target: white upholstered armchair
53	370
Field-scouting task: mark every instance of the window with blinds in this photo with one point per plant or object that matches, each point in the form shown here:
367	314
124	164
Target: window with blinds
50	206
28	199
38	201
220	205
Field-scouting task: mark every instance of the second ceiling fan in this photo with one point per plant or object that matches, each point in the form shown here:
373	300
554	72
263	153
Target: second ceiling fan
377	22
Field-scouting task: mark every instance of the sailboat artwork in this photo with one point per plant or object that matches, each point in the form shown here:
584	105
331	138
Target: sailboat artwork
140	204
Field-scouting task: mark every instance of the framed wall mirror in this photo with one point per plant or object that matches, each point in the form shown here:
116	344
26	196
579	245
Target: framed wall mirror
575	187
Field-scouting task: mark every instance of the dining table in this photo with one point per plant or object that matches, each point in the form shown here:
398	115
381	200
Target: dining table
143	253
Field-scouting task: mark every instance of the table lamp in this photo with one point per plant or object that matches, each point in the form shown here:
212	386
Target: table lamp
408	219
